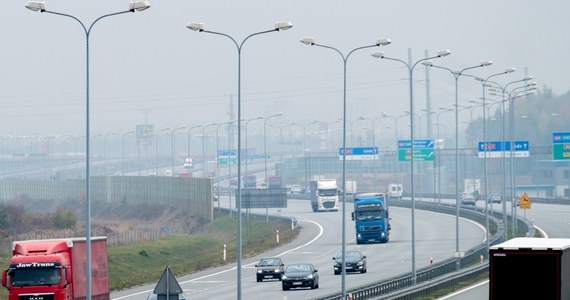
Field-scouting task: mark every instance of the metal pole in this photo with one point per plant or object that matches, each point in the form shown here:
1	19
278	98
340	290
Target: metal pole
40	6
199	27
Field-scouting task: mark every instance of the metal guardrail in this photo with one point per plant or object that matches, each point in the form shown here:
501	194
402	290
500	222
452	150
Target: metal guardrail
443	274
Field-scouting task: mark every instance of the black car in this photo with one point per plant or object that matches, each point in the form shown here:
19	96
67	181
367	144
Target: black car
269	268
355	262
300	275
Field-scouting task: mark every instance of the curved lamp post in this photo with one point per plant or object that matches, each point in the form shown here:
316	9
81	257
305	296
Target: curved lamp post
411	67
189	137
41	7
503	91
311	42
279	26
156	142
173	146
456	74
485	146
204	147
123	146
265	140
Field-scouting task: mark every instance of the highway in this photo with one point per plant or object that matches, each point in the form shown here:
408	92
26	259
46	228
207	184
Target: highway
319	241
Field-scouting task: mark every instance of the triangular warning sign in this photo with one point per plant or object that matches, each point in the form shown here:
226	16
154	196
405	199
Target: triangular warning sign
167	286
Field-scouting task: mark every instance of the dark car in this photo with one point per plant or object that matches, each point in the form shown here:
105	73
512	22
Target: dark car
355	262
269	268
300	275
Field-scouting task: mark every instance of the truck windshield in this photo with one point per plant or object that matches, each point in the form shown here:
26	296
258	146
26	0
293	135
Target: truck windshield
34	277
370	215
328	192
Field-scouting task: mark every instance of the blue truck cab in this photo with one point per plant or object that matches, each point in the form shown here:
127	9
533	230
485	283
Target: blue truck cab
371	219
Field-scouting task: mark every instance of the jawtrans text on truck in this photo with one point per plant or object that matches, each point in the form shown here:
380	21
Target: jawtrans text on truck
55	270
324	195
371	219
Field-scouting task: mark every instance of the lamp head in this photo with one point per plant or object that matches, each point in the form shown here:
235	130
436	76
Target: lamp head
485	63
36	5
443	53
138	5
378	54
527	78
383	41
509	70
308	41
283	25
427	63
196	26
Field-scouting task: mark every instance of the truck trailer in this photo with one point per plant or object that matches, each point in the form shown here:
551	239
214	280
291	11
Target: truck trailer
371	218
324	195
530	268
55	269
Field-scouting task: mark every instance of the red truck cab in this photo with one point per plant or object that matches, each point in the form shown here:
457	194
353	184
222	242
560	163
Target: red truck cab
55	269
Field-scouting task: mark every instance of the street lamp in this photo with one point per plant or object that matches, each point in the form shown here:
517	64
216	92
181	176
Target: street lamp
189	137
105	149
395	119
41	7
156	144
265	140
204	147
246	150
438	158
456	74
503	91
411	67
485	146
173	146
311	42
123	146
279	26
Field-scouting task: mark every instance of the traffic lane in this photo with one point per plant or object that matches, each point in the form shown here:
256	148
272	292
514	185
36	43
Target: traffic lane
391	259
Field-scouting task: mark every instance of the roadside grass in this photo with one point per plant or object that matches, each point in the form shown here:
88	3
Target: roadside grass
144	262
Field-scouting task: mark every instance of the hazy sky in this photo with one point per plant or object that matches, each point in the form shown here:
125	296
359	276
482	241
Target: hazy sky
148	64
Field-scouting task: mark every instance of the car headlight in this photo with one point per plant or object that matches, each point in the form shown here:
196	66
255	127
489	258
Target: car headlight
284	277
360	263
277	271
259	271
310	276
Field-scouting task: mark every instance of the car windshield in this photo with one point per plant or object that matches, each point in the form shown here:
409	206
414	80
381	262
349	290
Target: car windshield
328	192
268	262
298	268
351	255
370	215
32	277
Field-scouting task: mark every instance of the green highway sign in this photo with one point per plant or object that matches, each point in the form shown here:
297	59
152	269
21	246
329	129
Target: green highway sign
561	145
419	154
423	150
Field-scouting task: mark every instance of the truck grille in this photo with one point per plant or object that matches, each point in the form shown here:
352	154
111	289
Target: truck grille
371	228
36	297
328	204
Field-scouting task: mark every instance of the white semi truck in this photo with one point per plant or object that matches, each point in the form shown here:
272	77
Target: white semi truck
324	195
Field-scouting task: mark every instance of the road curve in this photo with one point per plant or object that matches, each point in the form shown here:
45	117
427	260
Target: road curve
318	242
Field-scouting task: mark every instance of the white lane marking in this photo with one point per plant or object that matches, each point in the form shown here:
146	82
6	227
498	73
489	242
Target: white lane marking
321	231
463	290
